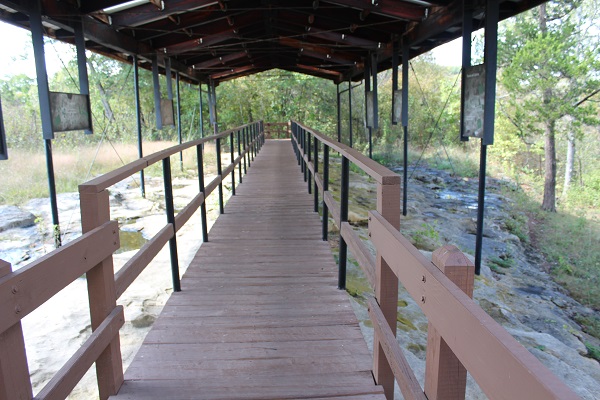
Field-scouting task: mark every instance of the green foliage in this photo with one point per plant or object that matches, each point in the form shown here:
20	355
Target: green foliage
590	324
593	351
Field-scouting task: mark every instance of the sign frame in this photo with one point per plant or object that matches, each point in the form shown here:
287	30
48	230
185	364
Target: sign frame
75	106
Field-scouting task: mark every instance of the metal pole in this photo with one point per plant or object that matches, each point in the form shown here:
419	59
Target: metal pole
178	117
84	83
308	153
325	189
245	139
350	111
239	150
316	164
405	56
138	114
37	38
232	159
339	115
491	59
52	189
199	152
219	172
343	218
375	104
201	116
171	220
156	84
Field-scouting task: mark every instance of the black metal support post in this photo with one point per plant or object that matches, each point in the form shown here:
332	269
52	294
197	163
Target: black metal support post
343	218
138	116
179	117
156	86
52	189
245	138
302	164
219	172
37	38
492	11
239	150
231	152
309	158
199	154
316	164
171	220
350	113
405	56
84	83
339	115
325	189
201	107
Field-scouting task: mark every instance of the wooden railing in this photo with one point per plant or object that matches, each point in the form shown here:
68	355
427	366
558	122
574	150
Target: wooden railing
277	130
461	336
24	290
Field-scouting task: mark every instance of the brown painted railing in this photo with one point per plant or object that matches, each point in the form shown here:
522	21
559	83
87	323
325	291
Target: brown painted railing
277	130
25	290
461	336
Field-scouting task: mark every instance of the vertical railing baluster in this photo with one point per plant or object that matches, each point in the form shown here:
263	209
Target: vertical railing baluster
316	164
247	145
171	220
219	173
200	159
252	143
232	159
305	166
309	158
239	150
325	189
343	218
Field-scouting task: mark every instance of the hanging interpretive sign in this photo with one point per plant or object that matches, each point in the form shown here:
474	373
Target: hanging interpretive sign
397	111
370	108
166	112
474	101
3	148
70	112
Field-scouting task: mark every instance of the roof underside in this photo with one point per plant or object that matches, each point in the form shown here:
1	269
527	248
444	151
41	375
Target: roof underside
227	39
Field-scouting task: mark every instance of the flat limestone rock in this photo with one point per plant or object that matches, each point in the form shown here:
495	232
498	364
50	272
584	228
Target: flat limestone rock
14	217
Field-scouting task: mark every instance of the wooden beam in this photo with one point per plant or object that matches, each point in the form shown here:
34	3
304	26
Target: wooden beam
220	60
389	8
147	13
319	52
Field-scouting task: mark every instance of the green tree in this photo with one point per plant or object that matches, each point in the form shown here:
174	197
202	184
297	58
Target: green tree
551	65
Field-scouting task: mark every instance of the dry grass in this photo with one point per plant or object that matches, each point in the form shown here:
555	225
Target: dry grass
24	174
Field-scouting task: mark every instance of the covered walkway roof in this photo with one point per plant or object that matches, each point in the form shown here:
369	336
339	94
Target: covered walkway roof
226	39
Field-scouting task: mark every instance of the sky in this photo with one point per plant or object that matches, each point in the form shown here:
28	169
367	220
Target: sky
13	51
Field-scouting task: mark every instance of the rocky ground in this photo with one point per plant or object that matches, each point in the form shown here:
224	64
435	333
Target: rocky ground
513	287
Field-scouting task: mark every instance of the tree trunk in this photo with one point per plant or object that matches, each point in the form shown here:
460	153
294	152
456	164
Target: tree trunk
108	112
570	163
549	202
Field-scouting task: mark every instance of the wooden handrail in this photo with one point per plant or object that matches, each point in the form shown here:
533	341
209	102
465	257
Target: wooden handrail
372	168
501	366
26	289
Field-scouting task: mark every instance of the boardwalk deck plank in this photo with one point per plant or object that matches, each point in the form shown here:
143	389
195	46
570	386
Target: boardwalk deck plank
260	316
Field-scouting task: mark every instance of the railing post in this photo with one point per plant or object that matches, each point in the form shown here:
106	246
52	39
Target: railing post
232	159
316	164
252	143
200	158
247	147
95	211
304	165
170	209
343	218
219	172
14	372
386	288
325	189
445	376
309	158
239	150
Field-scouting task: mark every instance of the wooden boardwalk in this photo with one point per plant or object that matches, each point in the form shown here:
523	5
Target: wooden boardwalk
259	315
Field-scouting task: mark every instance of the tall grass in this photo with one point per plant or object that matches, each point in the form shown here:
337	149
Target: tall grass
24	174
